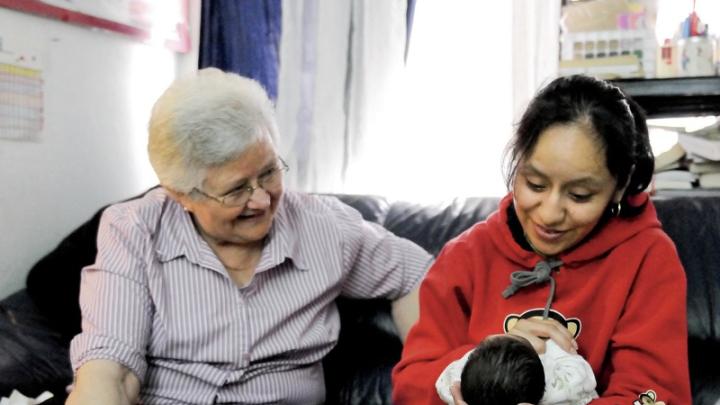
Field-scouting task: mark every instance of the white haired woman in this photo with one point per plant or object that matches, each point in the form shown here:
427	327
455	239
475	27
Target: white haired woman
218	286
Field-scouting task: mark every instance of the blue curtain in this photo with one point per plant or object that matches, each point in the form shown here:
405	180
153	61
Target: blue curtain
242	36
409	21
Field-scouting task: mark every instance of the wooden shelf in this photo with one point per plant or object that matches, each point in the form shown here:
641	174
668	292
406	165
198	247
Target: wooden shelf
684	96
696	192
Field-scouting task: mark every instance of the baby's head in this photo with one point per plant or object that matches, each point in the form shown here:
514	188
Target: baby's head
503	370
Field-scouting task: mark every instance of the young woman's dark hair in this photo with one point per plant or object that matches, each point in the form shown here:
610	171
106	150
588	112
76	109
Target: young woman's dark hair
503	370
616	120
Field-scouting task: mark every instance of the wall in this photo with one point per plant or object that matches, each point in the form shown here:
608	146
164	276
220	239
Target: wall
99	88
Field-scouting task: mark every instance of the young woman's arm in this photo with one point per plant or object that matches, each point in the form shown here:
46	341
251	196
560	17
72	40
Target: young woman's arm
648	349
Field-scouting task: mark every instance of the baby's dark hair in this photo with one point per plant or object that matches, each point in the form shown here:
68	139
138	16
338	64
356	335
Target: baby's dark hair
503	370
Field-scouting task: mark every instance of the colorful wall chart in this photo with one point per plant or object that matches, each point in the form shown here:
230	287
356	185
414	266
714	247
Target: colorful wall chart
21	96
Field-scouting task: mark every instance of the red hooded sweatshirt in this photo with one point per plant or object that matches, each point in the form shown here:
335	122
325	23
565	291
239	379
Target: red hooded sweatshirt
622	292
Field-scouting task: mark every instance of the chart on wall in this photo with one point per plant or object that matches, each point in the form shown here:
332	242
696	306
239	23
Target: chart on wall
21	94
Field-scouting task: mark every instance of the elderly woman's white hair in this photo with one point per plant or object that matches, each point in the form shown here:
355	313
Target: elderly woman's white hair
206	120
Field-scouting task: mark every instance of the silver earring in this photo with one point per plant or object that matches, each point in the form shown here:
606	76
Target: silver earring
615	209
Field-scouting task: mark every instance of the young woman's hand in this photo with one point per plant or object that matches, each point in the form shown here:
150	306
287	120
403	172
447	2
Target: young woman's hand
537	330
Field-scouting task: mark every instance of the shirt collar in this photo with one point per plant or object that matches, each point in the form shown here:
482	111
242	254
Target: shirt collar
178	236
283	240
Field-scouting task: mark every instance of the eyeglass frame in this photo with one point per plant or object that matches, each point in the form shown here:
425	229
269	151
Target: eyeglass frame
280	169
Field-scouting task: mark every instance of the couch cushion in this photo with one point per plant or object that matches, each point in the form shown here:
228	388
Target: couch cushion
53	283
693	223
431	226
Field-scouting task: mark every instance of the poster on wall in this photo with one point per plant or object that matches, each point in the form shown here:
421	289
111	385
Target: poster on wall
143	14
21	94
163	22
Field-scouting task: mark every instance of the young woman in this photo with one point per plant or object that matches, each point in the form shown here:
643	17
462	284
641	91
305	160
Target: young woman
575	253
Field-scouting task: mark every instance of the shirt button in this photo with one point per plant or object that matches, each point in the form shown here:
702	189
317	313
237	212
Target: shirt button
246	357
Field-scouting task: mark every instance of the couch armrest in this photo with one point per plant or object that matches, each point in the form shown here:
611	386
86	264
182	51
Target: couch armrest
33	355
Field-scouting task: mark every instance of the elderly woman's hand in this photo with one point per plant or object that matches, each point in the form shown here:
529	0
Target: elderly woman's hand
104	382
536	330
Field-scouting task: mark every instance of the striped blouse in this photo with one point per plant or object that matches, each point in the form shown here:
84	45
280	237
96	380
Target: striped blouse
158	300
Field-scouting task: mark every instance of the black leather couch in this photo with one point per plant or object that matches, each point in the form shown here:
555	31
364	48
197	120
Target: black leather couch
37	323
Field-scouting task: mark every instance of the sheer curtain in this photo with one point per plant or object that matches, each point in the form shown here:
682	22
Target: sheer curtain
536	48
339	65
356	117
472	67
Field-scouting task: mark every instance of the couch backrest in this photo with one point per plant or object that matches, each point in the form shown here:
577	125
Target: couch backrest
693	223
694	226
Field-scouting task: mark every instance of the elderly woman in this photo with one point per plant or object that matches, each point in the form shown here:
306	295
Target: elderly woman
219	287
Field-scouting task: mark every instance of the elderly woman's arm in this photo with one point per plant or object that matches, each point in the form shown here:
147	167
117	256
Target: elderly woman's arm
380	264
109	356
405	311
441	333
104	382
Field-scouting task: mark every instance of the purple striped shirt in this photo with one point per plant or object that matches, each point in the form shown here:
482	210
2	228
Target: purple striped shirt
159	301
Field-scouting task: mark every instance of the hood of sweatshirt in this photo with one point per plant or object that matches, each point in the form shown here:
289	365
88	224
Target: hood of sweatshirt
601	240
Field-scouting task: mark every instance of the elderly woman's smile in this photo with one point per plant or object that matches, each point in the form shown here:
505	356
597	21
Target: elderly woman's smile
253	179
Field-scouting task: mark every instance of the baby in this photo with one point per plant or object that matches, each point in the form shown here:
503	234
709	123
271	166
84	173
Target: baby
506	370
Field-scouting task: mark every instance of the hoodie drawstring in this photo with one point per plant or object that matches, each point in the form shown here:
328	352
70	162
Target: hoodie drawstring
540	274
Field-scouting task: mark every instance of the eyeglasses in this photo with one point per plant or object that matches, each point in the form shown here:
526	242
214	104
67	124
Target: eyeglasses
269	180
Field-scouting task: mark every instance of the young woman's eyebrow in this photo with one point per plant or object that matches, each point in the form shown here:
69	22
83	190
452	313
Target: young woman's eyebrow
587	181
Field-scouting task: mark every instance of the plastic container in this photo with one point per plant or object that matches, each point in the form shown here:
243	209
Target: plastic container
600	44
697	57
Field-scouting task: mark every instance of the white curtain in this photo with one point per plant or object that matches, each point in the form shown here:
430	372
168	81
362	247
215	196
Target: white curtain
373	93
337	63
536	48
355	119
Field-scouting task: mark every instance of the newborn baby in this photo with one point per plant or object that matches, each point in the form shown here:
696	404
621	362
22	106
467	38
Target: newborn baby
505	369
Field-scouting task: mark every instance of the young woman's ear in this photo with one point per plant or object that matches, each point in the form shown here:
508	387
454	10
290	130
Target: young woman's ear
618	195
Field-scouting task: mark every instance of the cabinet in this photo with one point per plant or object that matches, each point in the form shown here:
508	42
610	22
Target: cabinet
673	97
598	23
